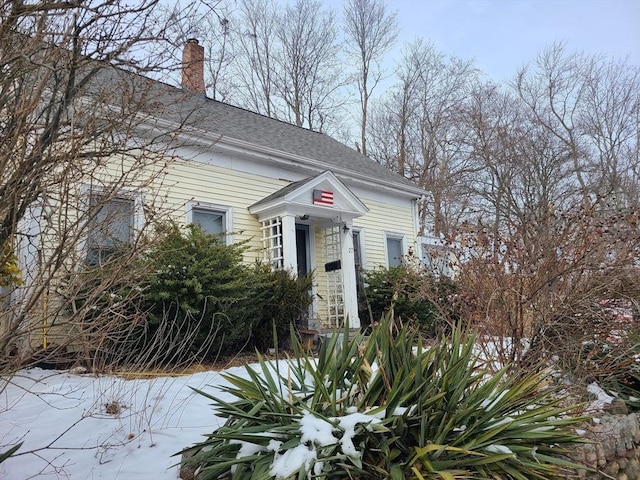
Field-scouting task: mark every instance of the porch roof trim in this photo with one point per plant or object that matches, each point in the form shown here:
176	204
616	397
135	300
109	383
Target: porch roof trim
296	199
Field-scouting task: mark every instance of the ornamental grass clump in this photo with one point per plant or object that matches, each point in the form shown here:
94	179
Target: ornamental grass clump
385	407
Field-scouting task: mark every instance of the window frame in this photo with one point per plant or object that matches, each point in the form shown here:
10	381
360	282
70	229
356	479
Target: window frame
137	215
225	211
401	237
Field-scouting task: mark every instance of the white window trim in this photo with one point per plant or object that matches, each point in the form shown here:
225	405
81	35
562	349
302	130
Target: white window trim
394	236
214	207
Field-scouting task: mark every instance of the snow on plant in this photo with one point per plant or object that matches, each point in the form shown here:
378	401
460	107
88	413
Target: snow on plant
385	407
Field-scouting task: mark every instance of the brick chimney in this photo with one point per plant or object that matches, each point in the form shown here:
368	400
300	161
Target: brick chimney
193	67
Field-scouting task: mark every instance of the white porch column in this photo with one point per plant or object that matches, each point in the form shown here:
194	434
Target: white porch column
289	256
349	276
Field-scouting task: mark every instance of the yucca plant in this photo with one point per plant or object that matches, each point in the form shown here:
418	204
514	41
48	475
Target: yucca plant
386	408
5	455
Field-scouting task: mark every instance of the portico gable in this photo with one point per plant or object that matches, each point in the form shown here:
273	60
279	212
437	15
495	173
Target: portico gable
320	203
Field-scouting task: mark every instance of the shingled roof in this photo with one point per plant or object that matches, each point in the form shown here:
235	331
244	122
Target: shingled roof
237	123
226	121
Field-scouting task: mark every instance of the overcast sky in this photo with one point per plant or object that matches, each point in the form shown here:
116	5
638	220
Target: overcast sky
502	35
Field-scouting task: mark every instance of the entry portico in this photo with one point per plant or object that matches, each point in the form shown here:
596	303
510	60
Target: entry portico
322	208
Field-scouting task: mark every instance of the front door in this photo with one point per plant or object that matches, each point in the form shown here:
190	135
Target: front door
303	257
302	249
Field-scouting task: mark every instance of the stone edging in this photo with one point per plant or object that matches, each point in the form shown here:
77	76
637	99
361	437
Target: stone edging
616	453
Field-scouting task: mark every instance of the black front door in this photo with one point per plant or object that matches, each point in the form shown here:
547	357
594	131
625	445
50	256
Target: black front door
302	249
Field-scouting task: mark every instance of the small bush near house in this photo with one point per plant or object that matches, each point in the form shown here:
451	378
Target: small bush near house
286	302
414	295
188	298
195	276
386	407
185	299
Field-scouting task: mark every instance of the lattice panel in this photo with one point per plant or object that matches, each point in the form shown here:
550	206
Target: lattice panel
335	288
272	242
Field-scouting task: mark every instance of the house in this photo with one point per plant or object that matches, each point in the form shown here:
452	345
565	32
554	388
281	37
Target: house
302	200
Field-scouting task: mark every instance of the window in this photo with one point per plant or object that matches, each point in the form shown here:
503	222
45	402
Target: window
211	221
213	218
394	250
111	226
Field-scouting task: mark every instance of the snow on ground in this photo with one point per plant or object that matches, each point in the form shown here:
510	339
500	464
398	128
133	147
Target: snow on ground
80	427
601	398
87	427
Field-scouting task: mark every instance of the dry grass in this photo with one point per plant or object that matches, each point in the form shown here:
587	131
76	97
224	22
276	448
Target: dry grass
220	364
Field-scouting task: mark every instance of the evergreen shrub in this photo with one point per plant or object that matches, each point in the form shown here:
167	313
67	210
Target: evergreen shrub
413	295
197	277
285	302
190	297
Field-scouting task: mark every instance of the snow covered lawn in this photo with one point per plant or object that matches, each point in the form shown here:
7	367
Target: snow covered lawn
86	427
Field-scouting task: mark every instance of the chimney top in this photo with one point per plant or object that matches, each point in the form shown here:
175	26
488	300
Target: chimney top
193	67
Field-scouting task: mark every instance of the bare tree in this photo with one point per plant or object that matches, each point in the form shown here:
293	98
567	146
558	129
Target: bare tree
371	31
524	171
392	122
79	161
256	61
274	58
591	105
611	121
553	242
308	72
429	102
215	28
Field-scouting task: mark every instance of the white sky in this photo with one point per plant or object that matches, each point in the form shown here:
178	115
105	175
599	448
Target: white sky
502	35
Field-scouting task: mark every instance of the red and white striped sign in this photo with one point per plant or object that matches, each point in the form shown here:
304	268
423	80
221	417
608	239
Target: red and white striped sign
323	197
